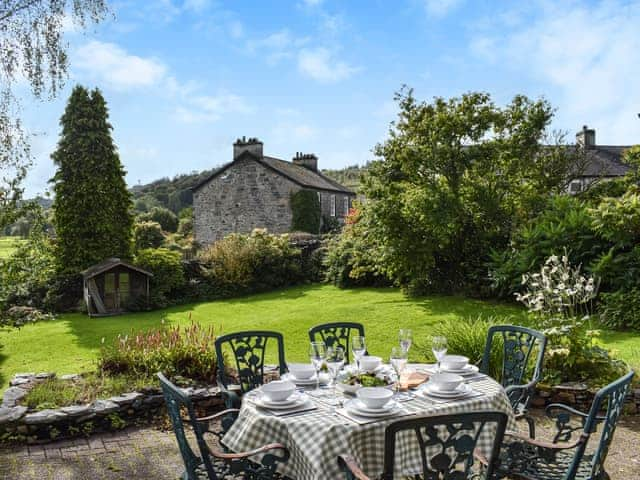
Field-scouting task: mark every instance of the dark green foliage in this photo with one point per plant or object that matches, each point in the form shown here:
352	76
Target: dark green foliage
453	178
147	234
305	209
187	352
330	224
174	194
64	293
92	204
168	274
166	218
348	176
252	263
621	309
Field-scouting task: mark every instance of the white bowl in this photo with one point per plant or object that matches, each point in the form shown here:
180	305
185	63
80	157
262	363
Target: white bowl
369	363
302	371
278	390
374	397
454	362
446	382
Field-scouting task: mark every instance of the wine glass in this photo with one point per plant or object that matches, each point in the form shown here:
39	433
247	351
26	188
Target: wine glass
398	362
358	347
335	361
439	349
317	354
406	336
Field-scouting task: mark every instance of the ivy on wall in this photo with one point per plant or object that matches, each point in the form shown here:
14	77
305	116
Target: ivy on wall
305	209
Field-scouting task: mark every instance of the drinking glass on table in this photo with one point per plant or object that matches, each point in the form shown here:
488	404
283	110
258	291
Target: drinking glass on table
335	361
439	349
406	336
398	362
317	354
358	347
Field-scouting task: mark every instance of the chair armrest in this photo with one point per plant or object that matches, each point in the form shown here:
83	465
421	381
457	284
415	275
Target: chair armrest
349	464
218	415
543	444
241	455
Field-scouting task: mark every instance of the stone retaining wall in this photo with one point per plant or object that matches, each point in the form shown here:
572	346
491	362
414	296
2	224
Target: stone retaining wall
580	397
19	425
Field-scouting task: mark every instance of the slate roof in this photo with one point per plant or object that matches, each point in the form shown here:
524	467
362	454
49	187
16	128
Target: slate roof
605	161
298	174
107	265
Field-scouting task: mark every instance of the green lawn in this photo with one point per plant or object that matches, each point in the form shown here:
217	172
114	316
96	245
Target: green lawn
71	343
8	245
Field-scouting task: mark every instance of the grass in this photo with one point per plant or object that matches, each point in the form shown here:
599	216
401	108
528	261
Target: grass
71	343
8	246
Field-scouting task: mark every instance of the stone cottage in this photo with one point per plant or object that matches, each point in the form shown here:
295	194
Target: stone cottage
254	191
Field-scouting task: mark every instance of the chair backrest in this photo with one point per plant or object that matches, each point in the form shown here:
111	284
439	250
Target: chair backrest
176	400
337	334
611	398
518	344
446	442
248	351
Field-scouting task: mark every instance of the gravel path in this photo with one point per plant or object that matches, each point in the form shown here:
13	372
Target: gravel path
151	454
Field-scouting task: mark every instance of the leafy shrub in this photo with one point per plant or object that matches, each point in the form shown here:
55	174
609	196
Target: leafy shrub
147	234
469	337
353	258
305	210
249	263
559	298
64	293
621	309
168	275
165	217
330	224
186	352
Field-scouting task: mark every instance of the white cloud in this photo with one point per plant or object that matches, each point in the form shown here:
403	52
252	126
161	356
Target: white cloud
110	64
196	6
210	108
312	3
589	54
320	64
236	30
441	8
276	46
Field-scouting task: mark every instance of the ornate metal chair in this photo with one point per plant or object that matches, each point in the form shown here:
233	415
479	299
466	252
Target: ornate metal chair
248	350
524	458
215	464
518	345
336	334
447	446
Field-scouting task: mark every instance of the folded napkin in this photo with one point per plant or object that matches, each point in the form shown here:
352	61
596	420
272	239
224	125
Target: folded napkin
412	380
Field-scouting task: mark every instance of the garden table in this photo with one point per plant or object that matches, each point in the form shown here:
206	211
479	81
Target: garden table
316	438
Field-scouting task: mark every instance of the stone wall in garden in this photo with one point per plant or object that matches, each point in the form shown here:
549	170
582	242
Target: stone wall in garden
19	425
580	397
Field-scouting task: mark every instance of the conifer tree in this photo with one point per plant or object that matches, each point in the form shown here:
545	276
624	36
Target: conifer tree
92	206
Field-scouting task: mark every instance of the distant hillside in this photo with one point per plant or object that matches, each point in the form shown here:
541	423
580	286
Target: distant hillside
175	194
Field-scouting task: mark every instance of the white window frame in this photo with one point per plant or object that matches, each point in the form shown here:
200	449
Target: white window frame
332	204
576	186
346	205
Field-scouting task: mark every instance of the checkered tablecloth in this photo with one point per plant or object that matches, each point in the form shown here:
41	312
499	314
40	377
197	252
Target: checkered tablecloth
316	438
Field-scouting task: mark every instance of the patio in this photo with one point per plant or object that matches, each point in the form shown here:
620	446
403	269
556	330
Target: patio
150	453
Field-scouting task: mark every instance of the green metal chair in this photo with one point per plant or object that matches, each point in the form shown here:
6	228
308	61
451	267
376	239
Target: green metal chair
336	334
447	447
565	458
215	464
518	345
246	369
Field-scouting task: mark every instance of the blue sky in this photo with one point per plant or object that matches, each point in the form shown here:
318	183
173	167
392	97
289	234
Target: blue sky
185	78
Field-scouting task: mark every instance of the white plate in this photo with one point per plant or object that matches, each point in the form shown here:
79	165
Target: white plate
353	406
462	390
388	407
468	370
294	400
307	382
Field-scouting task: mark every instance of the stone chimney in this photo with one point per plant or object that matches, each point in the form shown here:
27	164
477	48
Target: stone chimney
306	160
586	137
251	145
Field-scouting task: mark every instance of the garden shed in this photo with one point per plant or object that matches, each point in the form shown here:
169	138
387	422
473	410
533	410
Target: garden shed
110	286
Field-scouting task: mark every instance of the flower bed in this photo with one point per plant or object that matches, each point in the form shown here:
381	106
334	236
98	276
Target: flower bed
21	424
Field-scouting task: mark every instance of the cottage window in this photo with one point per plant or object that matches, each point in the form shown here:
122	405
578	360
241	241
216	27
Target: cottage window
333	205
346	206
575	186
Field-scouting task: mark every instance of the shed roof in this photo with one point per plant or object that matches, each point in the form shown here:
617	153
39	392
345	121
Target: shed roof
109	264
298	174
